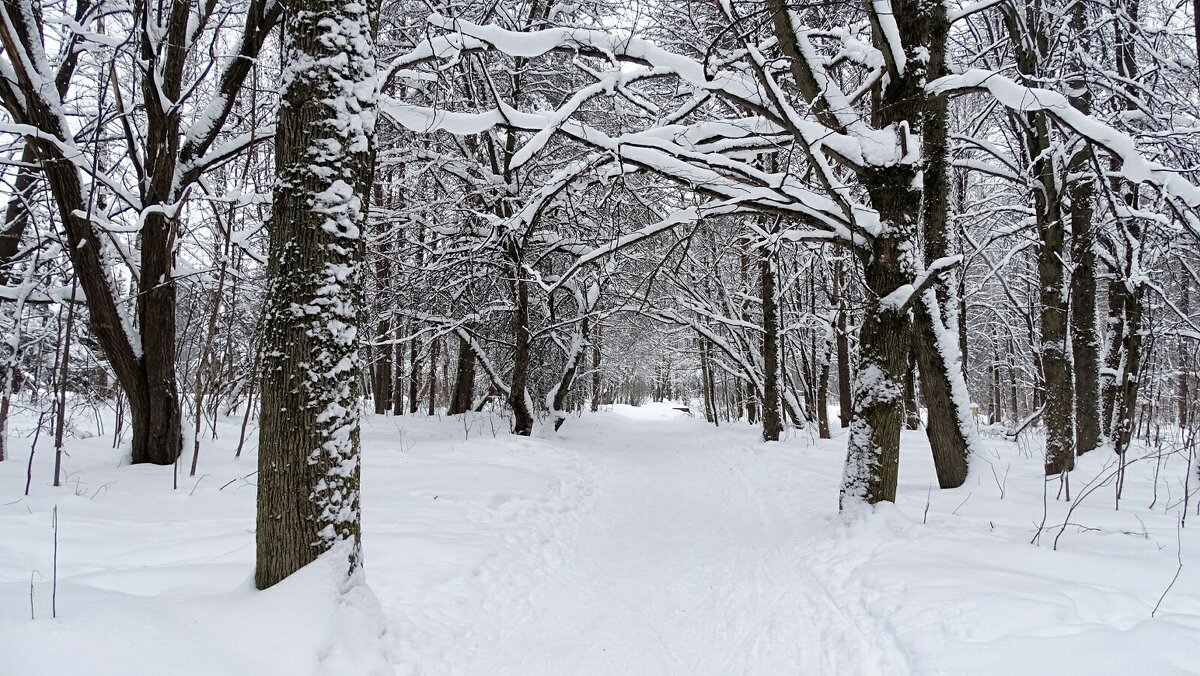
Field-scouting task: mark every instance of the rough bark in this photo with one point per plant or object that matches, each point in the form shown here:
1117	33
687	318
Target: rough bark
571	369
1085	338
937	344
873	449
308	476
873	453
168	168
1126	284
1058	415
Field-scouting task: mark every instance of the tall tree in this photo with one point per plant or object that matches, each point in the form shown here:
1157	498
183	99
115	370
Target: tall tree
308	500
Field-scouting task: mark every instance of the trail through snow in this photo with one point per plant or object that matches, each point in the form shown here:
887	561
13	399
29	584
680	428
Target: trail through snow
683	566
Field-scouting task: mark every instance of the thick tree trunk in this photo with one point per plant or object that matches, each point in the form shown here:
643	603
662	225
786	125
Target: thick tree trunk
945	390
308	470
1125	285
937	346
145	368
873	450
162	420
1085	339
1058	416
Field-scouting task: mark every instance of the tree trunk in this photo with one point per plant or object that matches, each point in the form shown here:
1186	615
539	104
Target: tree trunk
772	425
823	389
706	380
938	350
912	411
518	398
596	370
1056	364
571	368
1185	365
993	380
414	355
1131	366
1014	402
1085	339
398	399
145	367
845	403
382	379
308	470
433	364
873	450
1058	415
464	379
414	376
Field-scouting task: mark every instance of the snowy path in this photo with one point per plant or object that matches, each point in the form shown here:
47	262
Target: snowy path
680	567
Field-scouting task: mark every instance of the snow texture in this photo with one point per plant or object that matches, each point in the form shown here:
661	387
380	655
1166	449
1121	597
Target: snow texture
638	541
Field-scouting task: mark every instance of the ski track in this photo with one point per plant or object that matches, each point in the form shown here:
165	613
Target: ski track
682	566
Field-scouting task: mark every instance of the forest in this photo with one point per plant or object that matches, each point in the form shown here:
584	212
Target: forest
652	298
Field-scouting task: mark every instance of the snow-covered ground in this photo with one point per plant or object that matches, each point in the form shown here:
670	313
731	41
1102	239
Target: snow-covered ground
636	541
